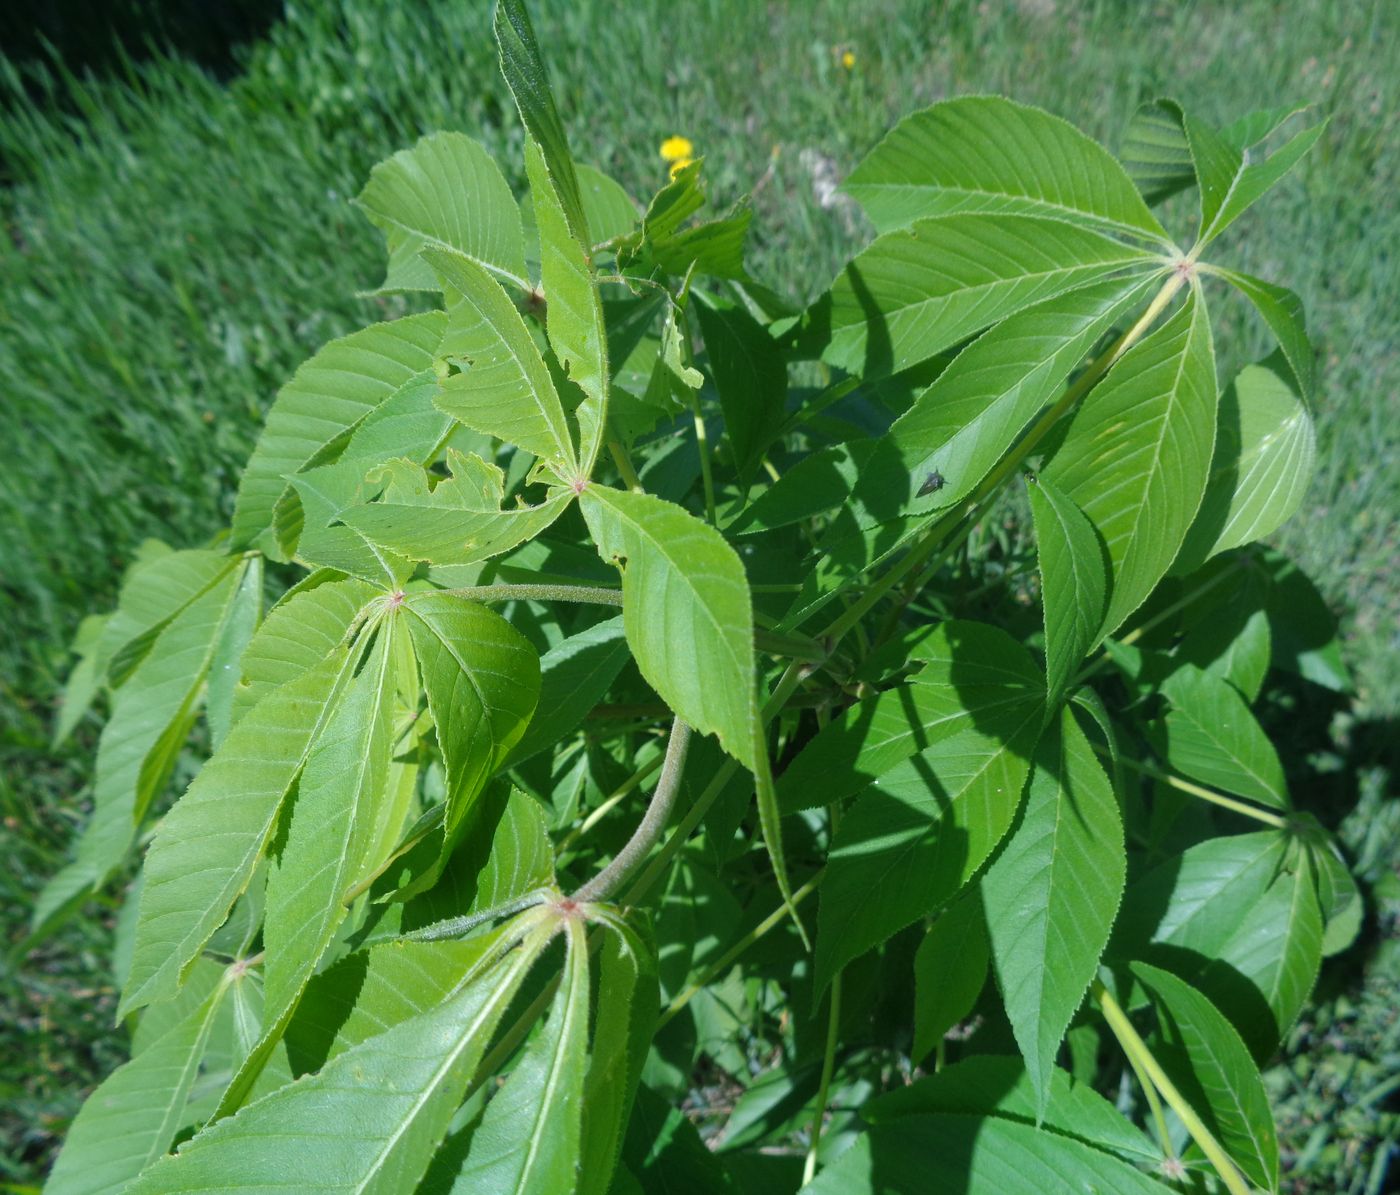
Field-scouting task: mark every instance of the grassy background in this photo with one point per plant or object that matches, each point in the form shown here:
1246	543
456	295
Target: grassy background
176	245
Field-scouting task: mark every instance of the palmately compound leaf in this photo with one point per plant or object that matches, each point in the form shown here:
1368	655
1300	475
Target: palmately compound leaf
152	714
976	1155
1206	1060
205	850
910	842
1228	916
1282	311
686	610
155	589
972	674
1260	470
446	191
368	1123
1136	456
482	680
461	520
529	1139
988	154
1052	893
950	970
298	633
688	615
1073	582
1212	736
133	1116
506	389
992	1085
962	425
325	400
921	290
332	818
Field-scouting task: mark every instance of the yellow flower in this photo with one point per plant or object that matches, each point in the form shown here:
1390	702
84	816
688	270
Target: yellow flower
677	149
848	60
680	164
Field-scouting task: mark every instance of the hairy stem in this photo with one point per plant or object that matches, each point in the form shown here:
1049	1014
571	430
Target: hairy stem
787	685
620	793
455	927
595	595
1137	1051
652	825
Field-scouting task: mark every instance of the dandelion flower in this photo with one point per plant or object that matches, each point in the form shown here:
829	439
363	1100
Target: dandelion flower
848	59
677	149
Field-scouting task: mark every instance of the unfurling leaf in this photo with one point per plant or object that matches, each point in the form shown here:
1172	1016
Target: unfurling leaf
461	520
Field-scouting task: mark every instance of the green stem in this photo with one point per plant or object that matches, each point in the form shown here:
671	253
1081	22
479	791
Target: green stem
652	825
1137	1050
1154	622
1154	1104
809	1169
827	398
794	647
726	960
702	441
624	466
1205	794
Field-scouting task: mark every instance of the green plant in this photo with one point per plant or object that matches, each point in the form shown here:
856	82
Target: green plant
383	889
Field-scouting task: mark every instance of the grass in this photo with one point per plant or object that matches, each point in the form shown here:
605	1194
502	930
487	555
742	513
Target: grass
177	245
